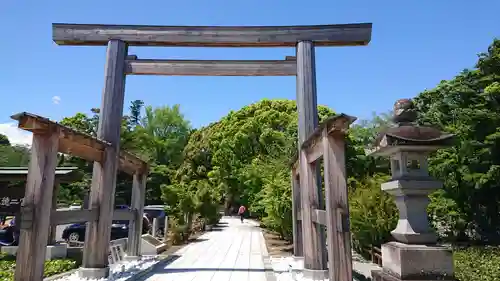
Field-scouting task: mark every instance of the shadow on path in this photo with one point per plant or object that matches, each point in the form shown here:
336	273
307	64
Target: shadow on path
174	270
197	240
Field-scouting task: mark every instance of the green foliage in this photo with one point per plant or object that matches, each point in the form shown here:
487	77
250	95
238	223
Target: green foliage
135	112
159	137
446	217
273	201
52	267
468	106
179	232
206	203
14	156
244	159
4	140
477	264
57	266
373	213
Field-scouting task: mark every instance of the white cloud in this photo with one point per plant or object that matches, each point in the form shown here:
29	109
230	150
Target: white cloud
56	99
15	135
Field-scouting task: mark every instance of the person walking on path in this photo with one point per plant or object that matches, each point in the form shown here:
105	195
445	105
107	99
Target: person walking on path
241	212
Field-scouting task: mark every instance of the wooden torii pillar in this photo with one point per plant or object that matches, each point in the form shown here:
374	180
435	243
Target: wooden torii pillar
137	205
37	206
118	37
102	191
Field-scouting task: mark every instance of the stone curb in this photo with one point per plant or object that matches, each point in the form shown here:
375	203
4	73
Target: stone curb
268	268
135	277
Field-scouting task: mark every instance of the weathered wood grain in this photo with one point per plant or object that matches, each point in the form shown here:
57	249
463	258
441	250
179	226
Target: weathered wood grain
53	228
72	216
85	215
137	205
319	217
313	236
212	36
339	237
211	67
315	151
37	207
297	226
334	125
78	144
95	255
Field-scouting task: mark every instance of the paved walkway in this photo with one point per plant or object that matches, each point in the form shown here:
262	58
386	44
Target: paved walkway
231	252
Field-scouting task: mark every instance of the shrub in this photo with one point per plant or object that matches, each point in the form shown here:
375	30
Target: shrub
52	267
445	216
477	263
373	214
57	266
179	232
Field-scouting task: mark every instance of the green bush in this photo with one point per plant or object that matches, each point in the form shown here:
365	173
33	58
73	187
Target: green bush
52	267
445	216
373	214
179	234
477	264
206	203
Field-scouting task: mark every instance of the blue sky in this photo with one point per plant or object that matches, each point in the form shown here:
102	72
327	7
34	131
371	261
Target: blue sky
415	44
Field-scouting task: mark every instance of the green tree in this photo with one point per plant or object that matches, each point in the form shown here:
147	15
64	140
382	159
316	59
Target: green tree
4	140
135	111
468	106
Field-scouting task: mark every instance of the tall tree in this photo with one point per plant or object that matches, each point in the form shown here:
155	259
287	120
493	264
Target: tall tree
469	106
135	111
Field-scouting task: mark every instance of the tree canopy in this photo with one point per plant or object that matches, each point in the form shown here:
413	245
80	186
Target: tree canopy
244	159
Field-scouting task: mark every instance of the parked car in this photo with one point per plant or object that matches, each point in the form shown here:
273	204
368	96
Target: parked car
156	211
9	235
76	232
75	206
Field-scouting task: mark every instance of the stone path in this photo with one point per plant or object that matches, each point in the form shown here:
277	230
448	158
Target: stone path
231	252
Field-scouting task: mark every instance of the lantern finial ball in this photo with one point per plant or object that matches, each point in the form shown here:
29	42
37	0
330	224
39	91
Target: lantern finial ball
404	111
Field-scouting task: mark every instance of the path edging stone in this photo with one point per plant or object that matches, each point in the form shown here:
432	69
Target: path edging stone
266	259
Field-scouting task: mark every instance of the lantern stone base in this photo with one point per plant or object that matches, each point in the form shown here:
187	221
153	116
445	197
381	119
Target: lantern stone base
311	274
93	273
406	236
414	262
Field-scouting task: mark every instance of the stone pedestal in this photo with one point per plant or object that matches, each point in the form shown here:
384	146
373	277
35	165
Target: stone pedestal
311	274
414	262
132	258
412	200
93	273
414	256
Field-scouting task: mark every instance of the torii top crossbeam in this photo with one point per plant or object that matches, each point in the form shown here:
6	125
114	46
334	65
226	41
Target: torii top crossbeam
212	36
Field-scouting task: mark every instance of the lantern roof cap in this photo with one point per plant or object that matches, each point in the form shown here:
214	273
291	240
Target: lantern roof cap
406	135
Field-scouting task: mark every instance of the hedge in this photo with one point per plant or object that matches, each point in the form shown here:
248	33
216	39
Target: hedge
52	267
477	263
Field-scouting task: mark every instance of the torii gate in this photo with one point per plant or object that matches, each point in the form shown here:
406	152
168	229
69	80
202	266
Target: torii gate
117	38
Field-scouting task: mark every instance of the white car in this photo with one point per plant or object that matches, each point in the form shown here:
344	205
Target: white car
75	207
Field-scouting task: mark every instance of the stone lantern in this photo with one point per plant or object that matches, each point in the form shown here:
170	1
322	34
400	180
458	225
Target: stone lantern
413	255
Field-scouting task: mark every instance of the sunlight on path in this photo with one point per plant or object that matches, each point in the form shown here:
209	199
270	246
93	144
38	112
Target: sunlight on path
231	252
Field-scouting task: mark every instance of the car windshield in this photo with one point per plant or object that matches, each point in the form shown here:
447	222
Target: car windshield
154	213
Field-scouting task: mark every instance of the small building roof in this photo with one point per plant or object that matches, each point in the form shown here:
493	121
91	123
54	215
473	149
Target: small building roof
63	174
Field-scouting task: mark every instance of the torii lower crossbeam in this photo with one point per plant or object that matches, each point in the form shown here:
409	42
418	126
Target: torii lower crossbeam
119	64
